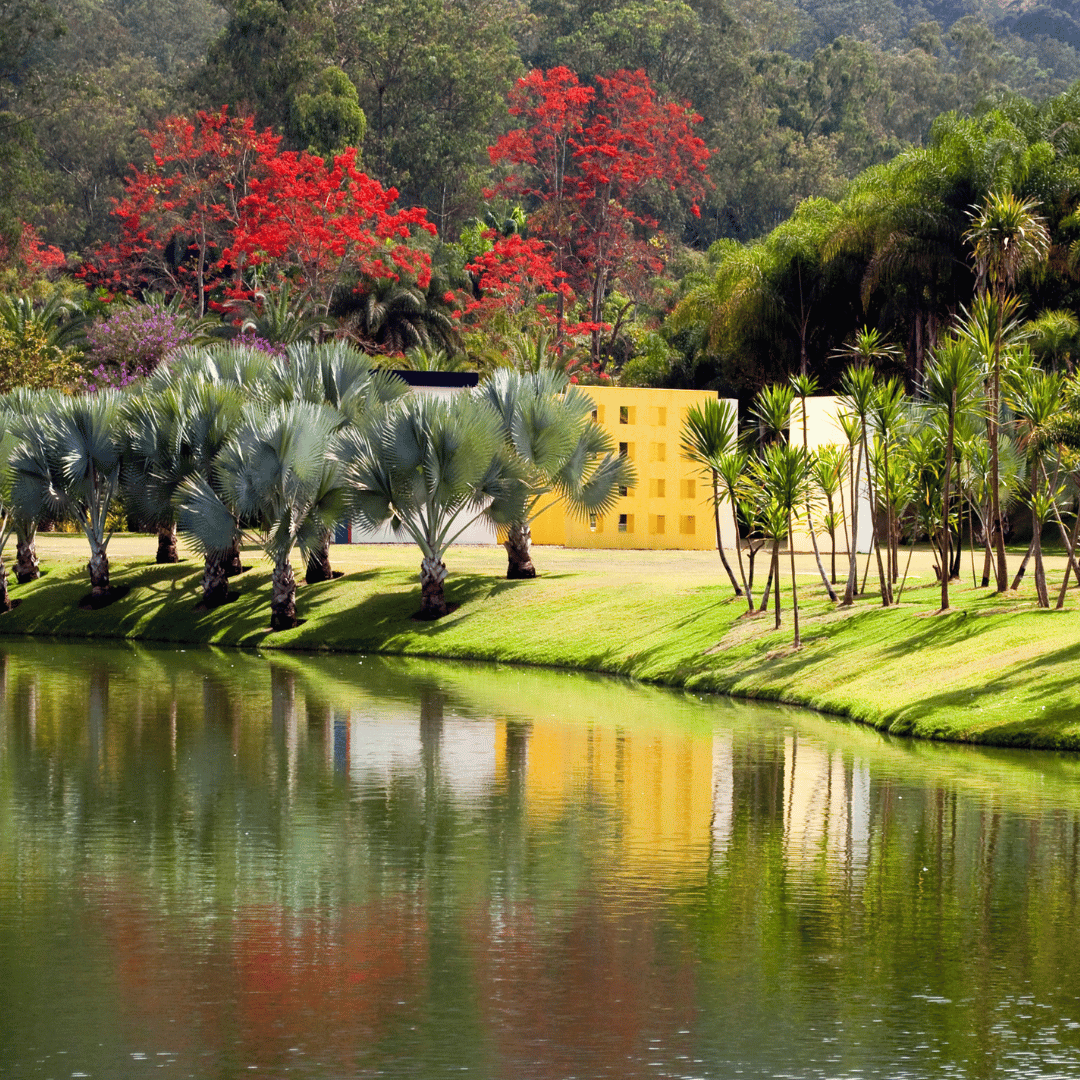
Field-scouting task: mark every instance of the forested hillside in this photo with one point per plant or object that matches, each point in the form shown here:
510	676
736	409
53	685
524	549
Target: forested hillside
796	97
692	192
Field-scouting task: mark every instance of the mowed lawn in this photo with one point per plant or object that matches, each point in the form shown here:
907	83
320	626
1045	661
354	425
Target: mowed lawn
993	669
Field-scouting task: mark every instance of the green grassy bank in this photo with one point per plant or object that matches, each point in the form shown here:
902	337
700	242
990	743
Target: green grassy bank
994	670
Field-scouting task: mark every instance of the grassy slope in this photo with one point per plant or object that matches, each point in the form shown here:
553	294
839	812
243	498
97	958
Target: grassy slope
994	671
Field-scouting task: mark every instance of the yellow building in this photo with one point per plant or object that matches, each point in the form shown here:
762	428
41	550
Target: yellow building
671	504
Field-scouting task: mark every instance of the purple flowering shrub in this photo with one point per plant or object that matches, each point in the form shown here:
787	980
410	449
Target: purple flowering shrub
130	342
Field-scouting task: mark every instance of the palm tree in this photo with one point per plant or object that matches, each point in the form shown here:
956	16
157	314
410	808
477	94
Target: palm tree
8	442
858	392
806	386
953	380
730	474
829	470
784	475
283	316
276	473
562	454
73	470
432	468
1035	398
709	432
1006	237
339	376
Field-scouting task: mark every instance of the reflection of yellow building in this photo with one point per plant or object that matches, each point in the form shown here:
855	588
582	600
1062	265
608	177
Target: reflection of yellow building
658	787
670	506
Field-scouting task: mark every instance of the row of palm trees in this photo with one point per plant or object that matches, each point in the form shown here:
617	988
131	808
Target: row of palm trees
225	443
988	429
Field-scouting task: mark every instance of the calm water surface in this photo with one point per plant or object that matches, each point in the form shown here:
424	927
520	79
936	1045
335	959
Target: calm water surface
222	865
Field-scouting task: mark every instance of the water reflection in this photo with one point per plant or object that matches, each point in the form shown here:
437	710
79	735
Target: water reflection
222	863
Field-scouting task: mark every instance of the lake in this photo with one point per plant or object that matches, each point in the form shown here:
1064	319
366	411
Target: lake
226	864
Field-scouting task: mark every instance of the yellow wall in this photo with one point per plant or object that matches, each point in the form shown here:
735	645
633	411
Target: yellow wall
670	506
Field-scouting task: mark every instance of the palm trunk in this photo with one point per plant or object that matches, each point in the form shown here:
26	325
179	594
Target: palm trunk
853	556
27	567
518	546
945	534
719	540
1071	544
774	577
318	564
98	568
166	544
5	600
1001	567
215	582
1023	566
794	589
231	562
748	583
283	596
1040	570
809	524
432	597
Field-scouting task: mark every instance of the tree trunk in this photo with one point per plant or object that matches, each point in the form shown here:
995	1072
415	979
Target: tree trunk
946	536
432	598
318	564
809	524
748	583
853	556
99	573
215	582
166	544
5	600
794	589
1071	546
1023	565
283	597
1040	570
27	567
519	552
231	562
774	575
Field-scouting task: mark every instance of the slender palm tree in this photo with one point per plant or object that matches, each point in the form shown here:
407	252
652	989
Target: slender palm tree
1035	398
277	474
709	432
952	382
1006	236
563	455
8	443
829	471
73	471
785	479
731	469
431	468
806	386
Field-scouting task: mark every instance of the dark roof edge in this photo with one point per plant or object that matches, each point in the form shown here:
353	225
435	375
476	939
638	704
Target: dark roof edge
451	379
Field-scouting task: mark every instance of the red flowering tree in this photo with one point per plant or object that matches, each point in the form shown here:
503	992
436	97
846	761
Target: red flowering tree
319	223
220	203
28	259
592	161
178	213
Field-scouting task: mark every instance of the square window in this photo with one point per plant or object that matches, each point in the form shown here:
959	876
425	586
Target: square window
626	523
687	525
624	491
624	415
689	489
657	525
595	416
624	449
658	489
592	523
